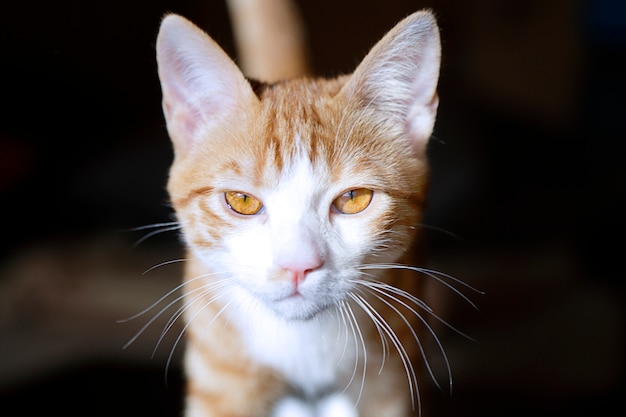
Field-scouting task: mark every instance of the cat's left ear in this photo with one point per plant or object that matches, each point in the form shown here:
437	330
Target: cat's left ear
202	87
398	78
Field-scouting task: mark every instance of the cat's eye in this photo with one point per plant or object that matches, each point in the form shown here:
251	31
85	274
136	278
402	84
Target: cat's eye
353	201
243	203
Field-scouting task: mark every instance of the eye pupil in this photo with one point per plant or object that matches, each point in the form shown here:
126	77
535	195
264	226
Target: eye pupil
242	203
353	201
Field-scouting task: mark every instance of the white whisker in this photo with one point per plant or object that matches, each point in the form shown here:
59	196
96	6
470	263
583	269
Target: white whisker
383	341
163	310
152	319
218	314
199	294
160	228
157	302
417	301
172	261
436	275
339	307
378	320
152	226
378	294
440	230
356	331
394	298
186	326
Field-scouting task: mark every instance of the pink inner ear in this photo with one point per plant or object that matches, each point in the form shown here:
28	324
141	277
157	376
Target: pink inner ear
183	127
420	122
201	84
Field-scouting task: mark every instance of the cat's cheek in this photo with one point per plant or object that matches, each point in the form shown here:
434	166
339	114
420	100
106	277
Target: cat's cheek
354	237
250	248
358	232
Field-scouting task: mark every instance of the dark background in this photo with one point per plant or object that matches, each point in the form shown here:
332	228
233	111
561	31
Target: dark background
527	199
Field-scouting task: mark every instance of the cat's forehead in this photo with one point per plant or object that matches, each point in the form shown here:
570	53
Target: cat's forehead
309	121
288	152
297	122
299	89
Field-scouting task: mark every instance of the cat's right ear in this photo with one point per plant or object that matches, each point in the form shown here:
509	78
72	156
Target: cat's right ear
202	87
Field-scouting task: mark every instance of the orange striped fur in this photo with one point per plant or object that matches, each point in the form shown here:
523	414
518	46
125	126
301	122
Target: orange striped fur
292	310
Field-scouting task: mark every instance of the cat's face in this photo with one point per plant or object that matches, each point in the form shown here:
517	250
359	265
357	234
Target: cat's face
289	190
297	195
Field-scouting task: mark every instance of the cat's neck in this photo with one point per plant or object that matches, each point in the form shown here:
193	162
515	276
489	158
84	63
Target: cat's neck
307	352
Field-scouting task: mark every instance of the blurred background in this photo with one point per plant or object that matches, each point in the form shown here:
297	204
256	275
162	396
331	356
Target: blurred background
527	200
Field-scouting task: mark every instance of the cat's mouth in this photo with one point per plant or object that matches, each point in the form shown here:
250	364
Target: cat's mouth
297	306
296	294
294	299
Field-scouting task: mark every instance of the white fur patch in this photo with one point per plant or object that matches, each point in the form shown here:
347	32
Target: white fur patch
310	354
336	405
293	407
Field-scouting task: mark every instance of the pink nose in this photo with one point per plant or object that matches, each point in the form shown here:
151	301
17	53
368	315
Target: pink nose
296	252
301	265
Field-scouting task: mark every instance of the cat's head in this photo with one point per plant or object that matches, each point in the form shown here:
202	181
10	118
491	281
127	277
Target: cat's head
289	189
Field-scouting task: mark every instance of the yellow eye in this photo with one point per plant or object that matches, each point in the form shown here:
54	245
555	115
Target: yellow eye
353	201
242	203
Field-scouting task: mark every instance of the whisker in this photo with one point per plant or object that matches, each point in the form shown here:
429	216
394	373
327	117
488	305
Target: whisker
156	316
160	228
163	310
160	300
153	233
186	326
378	294
419	302
356	331
150	307
436	275
218	314
200	293
151	226
179	312
440	230
383	341
404	357
339	307
152	320
172	261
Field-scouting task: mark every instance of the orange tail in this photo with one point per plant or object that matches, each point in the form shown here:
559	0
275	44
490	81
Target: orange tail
270	39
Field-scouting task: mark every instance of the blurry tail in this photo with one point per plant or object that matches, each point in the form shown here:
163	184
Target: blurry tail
270	39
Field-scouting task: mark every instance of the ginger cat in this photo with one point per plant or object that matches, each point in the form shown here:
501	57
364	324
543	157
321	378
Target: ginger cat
299	201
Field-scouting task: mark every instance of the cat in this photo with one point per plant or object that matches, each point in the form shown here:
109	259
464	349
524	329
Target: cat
299	202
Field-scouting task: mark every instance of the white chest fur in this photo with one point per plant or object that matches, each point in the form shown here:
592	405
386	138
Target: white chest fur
310	354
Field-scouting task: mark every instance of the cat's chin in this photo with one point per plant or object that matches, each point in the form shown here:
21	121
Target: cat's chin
297	308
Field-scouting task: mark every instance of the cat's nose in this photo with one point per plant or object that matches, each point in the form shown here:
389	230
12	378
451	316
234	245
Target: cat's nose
299	261
300	265
297	252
